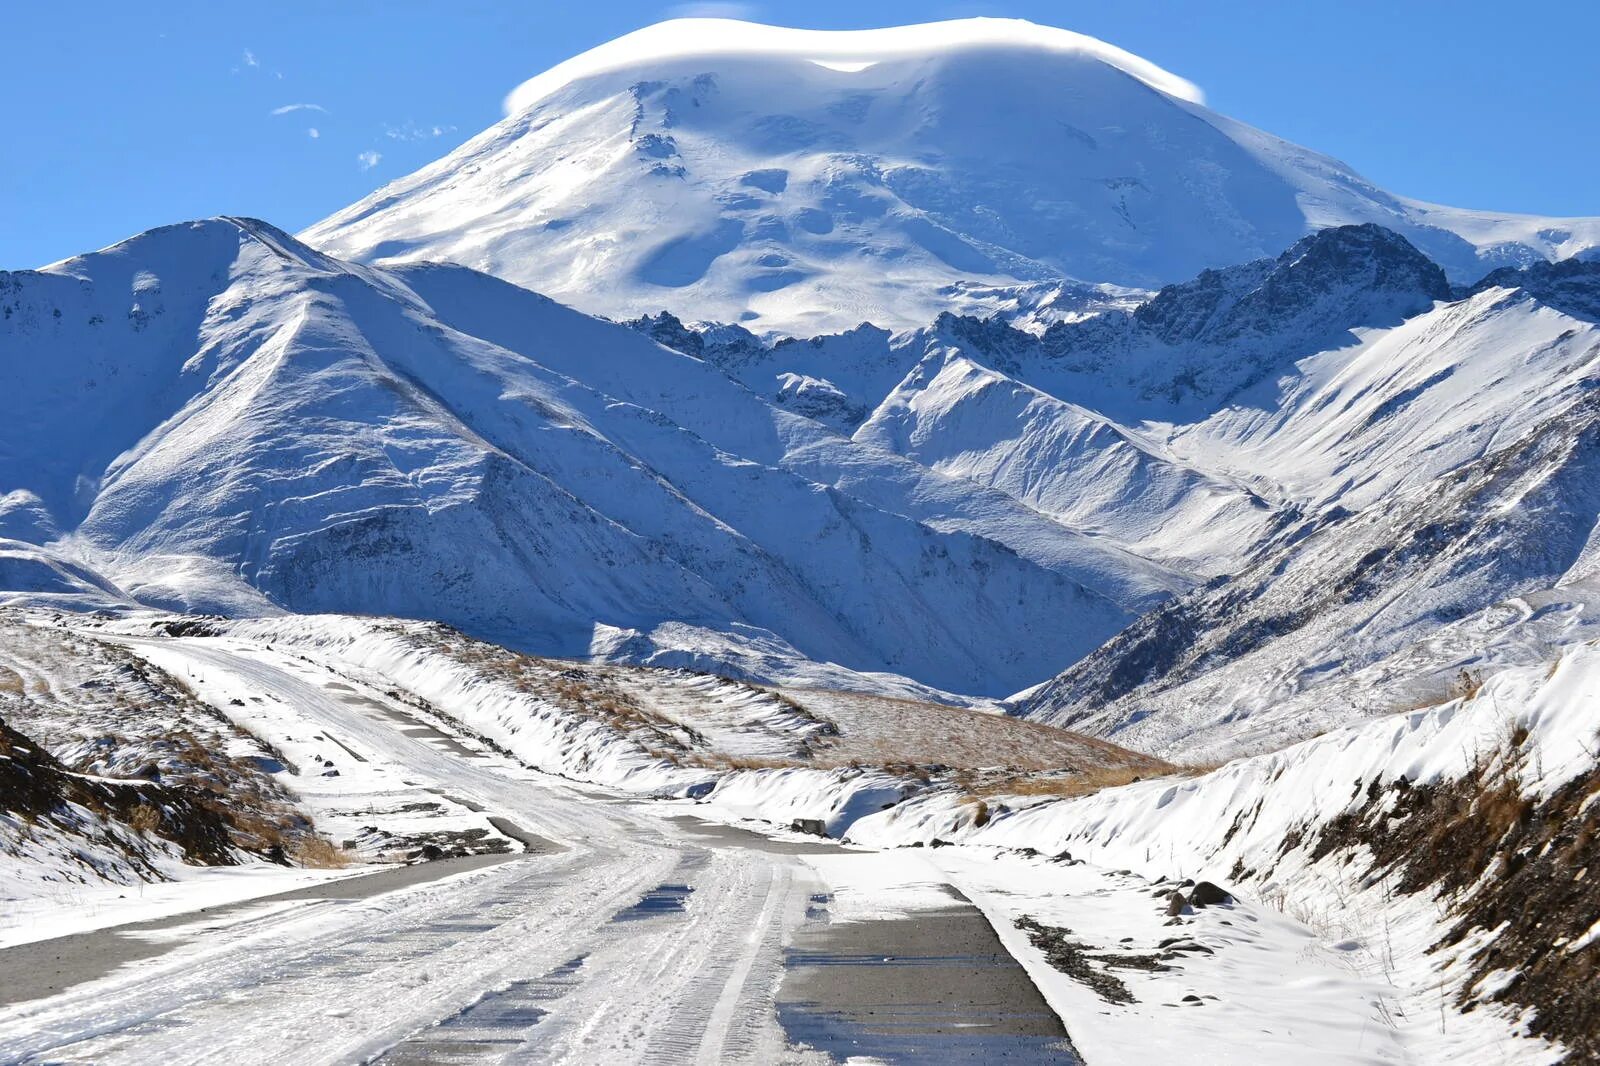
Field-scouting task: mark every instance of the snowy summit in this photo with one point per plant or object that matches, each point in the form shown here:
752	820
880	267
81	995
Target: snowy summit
803	181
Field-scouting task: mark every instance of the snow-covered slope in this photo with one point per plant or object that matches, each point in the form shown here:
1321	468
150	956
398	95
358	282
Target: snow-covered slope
1425	474
1134	424
1340	450
1343	450
805	181
964	419
1441	851
214	417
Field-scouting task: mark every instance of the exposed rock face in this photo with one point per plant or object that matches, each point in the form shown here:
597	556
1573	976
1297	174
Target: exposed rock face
1206	894
1571	286
1209	339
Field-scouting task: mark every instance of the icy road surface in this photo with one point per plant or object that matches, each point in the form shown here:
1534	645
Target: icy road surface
623	935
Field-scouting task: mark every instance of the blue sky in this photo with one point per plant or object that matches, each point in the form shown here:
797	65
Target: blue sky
120	117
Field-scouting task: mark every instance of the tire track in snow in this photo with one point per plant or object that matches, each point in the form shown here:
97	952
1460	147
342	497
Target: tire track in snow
474	967
428	955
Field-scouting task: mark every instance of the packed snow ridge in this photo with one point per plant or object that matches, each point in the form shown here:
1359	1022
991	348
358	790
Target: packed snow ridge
802	181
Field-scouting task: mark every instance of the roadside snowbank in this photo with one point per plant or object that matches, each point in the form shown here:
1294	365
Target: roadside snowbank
1300	830
541	734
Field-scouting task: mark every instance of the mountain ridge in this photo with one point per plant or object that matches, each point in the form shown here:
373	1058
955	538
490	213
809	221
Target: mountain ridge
437	443
302	432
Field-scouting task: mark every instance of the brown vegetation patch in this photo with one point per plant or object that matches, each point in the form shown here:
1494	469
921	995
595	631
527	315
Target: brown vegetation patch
319	853
878	730
1060	784
100	712
575	687
1526	868
34	785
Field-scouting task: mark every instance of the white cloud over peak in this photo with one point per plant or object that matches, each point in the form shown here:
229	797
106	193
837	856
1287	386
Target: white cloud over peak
701	39
369	159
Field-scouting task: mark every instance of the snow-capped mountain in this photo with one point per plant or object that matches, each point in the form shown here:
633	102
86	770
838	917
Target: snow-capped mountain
802	182
1343	452
1427	474
1324	454
214	417
1328	379
1102	411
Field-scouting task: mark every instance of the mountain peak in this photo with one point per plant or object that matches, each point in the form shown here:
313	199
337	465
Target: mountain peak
1571	285
1368	251
1373	275
798	182
216	240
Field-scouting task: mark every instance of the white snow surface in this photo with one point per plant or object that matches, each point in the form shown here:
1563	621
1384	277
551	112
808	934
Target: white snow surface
1472	418
277	430
1545	717
1313	960
803	181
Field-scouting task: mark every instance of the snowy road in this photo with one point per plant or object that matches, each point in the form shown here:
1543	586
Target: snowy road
634	939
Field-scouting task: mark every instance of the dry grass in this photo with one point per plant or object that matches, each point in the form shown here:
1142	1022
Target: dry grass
258	831
1077	782
1200	769
718	761
1500	861
319	853
107	713
573	686
1062	785
880	729
1465	685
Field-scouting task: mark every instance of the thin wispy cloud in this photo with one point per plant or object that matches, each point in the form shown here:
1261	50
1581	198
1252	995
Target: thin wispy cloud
369	159
250	59
410	131
313	133
289	108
